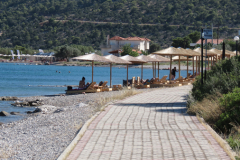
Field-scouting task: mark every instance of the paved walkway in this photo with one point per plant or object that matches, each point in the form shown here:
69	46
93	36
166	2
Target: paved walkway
151	125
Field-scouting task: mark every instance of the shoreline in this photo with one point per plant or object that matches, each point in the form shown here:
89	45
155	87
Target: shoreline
161	67
46	135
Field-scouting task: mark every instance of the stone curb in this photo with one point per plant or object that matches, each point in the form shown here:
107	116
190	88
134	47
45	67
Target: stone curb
74	142
219	139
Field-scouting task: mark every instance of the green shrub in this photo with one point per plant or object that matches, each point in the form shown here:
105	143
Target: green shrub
230	105
234	142
223	78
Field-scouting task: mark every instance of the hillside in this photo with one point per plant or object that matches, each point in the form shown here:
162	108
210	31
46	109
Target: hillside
33	23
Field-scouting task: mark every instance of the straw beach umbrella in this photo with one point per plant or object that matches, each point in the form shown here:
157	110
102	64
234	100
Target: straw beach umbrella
92	57
116	60
171	51
160	59
133	60
147	59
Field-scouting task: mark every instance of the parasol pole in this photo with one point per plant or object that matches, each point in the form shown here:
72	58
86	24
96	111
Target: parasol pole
142	72
199	62
196	64
187	66
110	75
193	65
170	68
127	75
92	71
211	61
155	69
158	70
179	67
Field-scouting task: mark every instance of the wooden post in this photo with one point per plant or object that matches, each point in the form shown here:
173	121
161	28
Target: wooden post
196	64
179	69
127	75
187	66
155	69
170	68
92	71
193	65
211	61
110	75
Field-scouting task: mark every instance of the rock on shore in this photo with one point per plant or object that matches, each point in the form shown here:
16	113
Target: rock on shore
4	113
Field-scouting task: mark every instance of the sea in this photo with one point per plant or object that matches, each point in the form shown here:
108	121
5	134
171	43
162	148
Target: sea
23	80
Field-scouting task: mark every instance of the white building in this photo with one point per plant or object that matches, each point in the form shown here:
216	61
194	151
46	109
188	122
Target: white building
115	44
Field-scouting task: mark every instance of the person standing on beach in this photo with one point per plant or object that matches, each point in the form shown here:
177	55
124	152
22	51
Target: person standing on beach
82	83
174	70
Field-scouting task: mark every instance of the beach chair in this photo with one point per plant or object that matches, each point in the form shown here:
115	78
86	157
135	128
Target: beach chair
117	87
164	79
139	85
104	87
88	89
180	79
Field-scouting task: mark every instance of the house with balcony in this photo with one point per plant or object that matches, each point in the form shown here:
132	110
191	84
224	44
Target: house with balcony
116	43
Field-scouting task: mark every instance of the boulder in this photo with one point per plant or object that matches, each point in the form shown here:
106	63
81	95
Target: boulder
1	123
29	112
4	113
14	113
37	110
59	110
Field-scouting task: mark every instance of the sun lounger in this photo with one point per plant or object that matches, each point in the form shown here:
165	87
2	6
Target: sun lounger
159	81
140	85
88	89
104	87
117	87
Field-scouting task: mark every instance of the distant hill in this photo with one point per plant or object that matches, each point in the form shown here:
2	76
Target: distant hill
33	23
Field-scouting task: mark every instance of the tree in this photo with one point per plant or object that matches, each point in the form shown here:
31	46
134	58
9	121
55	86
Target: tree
194	36
127	50
66	52
182	42
154	47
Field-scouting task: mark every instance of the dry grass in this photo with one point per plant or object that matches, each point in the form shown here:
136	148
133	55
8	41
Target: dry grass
209	109
100	103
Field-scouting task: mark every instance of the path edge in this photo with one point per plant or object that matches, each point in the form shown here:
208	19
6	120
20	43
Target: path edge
74	142
219	139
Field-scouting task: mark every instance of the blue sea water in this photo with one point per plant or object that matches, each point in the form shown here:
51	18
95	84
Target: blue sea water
23	80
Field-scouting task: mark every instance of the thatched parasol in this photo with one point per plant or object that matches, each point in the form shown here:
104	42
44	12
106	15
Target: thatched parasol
133	60
116	60
147	59
92	57
171	51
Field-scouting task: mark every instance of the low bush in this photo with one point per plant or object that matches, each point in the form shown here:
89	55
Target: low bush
223	78
230	106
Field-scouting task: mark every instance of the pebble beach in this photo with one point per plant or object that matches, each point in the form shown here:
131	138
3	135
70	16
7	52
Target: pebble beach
46	135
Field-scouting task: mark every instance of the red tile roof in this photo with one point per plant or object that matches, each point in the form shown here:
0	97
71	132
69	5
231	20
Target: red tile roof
116	38
120	51
129	39
210	41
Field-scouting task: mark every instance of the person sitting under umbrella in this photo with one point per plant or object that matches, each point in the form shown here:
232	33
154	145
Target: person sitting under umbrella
82	83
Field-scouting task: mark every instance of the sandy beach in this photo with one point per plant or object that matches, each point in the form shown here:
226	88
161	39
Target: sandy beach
45	135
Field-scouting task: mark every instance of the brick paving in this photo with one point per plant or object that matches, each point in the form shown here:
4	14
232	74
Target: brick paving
152	125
